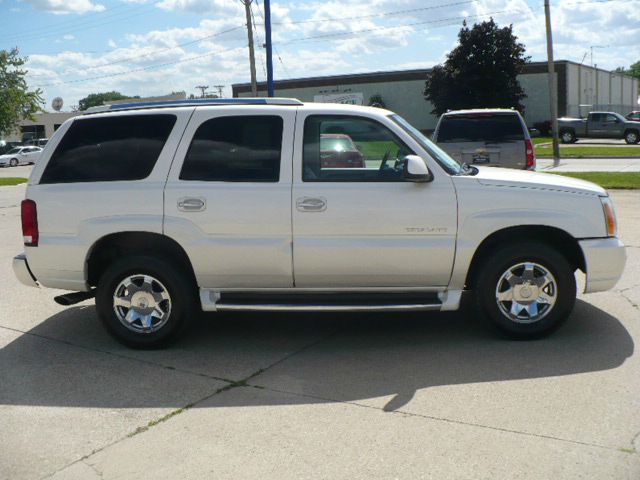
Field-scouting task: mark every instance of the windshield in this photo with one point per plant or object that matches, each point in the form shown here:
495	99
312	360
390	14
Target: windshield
439	155
14	150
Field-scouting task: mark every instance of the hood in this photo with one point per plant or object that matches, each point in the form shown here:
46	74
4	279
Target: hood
506	177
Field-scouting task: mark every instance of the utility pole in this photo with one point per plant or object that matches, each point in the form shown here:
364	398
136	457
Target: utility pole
267	38
219	88
252	58
553	87
202	88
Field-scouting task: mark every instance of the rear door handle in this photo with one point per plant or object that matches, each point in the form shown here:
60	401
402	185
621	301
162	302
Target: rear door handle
311	204
191	204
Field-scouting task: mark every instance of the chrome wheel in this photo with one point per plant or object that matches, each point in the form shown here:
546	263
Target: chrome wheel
142	303
567	137
632	137
526	292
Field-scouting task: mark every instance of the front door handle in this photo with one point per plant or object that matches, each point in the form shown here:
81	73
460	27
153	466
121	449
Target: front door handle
191	204
311	204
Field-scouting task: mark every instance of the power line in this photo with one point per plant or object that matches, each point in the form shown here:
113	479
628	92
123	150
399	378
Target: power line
376	15
116	17
150	67
373	29
154	52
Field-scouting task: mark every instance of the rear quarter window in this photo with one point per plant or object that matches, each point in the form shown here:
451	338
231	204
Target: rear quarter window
109	148
480	127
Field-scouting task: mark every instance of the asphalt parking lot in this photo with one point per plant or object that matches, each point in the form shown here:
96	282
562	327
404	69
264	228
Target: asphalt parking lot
275	396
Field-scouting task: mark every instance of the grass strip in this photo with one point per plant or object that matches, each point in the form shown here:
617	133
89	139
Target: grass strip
608	180
603	151
12	181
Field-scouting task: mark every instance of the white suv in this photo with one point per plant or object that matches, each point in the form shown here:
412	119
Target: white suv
160	210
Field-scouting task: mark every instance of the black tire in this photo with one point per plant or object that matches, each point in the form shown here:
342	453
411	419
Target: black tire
567	136
631	137
490	278
175	281
13	162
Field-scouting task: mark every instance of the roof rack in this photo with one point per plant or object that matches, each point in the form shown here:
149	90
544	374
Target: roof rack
194	103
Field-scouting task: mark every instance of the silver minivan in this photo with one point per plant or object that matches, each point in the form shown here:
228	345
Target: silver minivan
494	137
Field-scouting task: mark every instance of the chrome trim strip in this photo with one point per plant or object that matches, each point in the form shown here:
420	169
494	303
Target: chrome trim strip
327	308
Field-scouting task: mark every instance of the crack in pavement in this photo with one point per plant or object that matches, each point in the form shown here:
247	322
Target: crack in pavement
450	420
231	385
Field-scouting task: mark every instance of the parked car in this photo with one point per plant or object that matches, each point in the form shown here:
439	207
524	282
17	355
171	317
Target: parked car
634	116
599	125
160	210
38	142
337	150
493	137
20	156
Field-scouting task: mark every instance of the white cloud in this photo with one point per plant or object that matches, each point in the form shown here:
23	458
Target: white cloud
68	36
66	6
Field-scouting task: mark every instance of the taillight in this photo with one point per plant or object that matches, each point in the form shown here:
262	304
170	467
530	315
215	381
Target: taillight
531	156
29	214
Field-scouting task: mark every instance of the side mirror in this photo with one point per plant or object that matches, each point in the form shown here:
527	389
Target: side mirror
415	170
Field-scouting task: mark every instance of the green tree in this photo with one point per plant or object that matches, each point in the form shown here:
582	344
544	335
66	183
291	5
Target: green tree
633	70
97	99
16	101
480	72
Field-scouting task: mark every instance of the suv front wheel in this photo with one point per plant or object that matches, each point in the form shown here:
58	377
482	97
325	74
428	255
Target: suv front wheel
144	302
526	290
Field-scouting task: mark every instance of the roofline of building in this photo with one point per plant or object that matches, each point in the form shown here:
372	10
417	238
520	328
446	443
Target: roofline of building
375	77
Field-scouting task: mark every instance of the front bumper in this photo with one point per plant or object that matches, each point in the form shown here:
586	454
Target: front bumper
22	271
604	258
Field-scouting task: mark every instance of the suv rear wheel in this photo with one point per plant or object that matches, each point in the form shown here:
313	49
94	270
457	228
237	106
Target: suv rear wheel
526	290
145	302
631	137
567	136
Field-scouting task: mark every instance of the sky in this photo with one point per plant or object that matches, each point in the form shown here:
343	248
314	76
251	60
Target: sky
151	47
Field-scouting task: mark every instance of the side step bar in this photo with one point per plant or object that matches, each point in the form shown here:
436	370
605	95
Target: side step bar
212	300
73	298
239	307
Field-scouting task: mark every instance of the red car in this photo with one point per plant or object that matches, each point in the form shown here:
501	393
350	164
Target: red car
337	150
635	116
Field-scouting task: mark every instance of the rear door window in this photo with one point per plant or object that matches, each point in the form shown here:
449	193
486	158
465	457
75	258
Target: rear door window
480	127
235	149
109	148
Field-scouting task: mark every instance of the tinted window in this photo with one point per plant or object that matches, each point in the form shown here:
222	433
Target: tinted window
480	127
611	118
109	148
351	149
597	117
235	149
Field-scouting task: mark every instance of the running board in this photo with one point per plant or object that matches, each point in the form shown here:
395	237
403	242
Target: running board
239	307
212	300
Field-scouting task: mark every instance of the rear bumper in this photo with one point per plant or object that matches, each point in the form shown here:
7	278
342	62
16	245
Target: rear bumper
605	259
22	271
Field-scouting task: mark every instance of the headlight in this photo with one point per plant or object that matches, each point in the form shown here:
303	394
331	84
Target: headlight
610	221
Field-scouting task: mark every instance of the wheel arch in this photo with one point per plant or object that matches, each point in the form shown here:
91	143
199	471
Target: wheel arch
554	237
115	245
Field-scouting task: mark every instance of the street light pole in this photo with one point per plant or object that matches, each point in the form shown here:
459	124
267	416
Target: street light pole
553	86
267	34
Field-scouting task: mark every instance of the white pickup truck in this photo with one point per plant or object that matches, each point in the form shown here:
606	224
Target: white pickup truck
161	210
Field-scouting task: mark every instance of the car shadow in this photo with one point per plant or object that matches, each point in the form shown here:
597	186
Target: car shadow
353	356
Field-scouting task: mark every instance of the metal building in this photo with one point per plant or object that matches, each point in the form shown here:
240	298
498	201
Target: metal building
581	88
